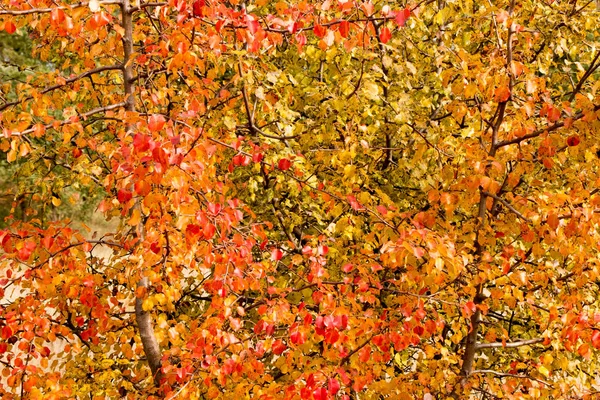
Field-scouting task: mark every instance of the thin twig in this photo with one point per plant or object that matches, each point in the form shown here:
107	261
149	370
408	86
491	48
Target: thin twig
48	10
508	345
72	120
507	204
507	375
66	82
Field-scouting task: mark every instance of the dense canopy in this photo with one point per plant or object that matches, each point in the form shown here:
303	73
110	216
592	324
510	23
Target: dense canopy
307	199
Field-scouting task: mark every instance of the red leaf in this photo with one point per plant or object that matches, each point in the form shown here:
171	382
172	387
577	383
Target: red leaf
573	140
181	6
156	122
47	242
343	376
278	347
301	40
100	19
334	386
10	27
209	231
553	114
340	321
385	35
364	354
354	203
192	230
155	247
141	142
276	254
331	336
253	25
124	196
238	159
320	323
298	337
214	208
596	339
3	347
197	8
402	16
347	268
6	332
469	309
142	188
320	394
320	31
284	164
57	16
257	157
25	252
344	28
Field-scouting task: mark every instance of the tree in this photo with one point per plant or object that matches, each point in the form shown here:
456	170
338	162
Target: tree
319	200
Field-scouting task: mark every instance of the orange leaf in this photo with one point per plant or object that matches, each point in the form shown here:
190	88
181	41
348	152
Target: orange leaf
10	27
385	35
344	28
156	122
367	8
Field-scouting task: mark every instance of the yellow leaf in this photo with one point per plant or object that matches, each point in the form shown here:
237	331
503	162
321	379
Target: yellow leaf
148	304
136	217
11	156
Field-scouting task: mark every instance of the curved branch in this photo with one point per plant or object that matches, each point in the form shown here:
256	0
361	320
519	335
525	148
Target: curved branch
71	120
66	82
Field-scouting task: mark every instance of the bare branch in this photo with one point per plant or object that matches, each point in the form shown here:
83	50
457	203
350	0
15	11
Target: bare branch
507	204
358	82
507	375
508	345
366	342
250	115
47	10
73	119
593	66
146	5
543	130
66	82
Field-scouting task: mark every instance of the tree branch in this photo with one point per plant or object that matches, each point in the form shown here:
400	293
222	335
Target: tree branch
544	130
47	10
71	120
508	345
508	375
250	115
66	82
593	66
507	204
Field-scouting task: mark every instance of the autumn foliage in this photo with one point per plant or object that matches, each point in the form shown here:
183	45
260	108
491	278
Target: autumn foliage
312	200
